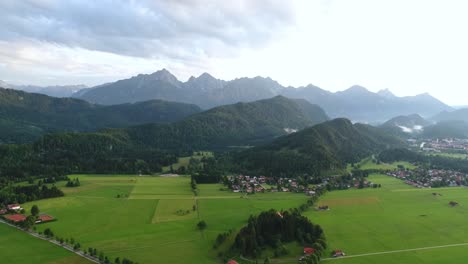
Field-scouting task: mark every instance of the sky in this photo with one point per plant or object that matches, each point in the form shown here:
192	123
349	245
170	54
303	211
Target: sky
407	46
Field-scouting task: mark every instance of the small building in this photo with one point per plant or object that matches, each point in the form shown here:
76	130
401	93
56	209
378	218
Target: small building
3	211
309	251
44	218
232	262
338	253
14	207
15	218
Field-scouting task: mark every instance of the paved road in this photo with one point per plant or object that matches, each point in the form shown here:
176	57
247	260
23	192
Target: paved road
78	252
400	251
294	260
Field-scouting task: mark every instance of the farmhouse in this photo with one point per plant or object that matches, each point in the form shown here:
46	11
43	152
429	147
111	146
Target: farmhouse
14	207
15	218
309	251
338	253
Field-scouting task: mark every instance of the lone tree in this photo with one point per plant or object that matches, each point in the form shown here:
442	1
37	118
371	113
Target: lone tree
201	225
35	210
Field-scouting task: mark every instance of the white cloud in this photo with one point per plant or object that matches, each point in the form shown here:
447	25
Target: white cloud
410	47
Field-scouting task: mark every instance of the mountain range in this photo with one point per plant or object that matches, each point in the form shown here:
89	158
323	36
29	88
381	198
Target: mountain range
26	116
355	103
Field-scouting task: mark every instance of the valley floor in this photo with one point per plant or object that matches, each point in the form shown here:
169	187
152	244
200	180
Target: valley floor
396	224
153	221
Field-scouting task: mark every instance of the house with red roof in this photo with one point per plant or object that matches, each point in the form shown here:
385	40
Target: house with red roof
309	251
15	218
44	218
232	262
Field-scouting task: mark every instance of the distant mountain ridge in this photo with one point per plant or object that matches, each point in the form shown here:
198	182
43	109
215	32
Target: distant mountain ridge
54	91
356	103
26	116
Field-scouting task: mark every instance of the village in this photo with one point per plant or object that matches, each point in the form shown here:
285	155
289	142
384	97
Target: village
430	178
253	184
439	145
261	184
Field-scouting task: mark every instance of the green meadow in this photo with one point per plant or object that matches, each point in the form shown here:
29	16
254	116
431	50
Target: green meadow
396	217
153	221
18	247
184	161
369	164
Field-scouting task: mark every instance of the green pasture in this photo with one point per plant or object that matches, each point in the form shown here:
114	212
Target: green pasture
450	155
18	247
369	164
146	223
395	217
184	161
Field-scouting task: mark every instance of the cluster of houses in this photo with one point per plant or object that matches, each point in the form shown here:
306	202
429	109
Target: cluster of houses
438	145
310	251
423	178
254	184
12	213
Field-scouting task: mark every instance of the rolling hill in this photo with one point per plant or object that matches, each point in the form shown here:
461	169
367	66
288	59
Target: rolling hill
325	147
26	116
232	125
410	125
149	147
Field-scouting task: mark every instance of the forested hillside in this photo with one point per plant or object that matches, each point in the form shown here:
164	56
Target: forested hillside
324	147
147	148
26	116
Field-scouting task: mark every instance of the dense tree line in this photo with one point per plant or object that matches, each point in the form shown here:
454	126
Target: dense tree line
273	228
62	154
22	194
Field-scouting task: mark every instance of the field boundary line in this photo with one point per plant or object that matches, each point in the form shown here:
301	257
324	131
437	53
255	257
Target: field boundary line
400	251
77	252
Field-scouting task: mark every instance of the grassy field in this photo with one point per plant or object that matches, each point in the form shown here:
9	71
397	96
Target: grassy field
450	155
396	217
150	221
18	247
184	161
368	164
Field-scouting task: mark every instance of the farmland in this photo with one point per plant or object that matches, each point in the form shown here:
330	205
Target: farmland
393	218
148	218
154	216
19	247
369	164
